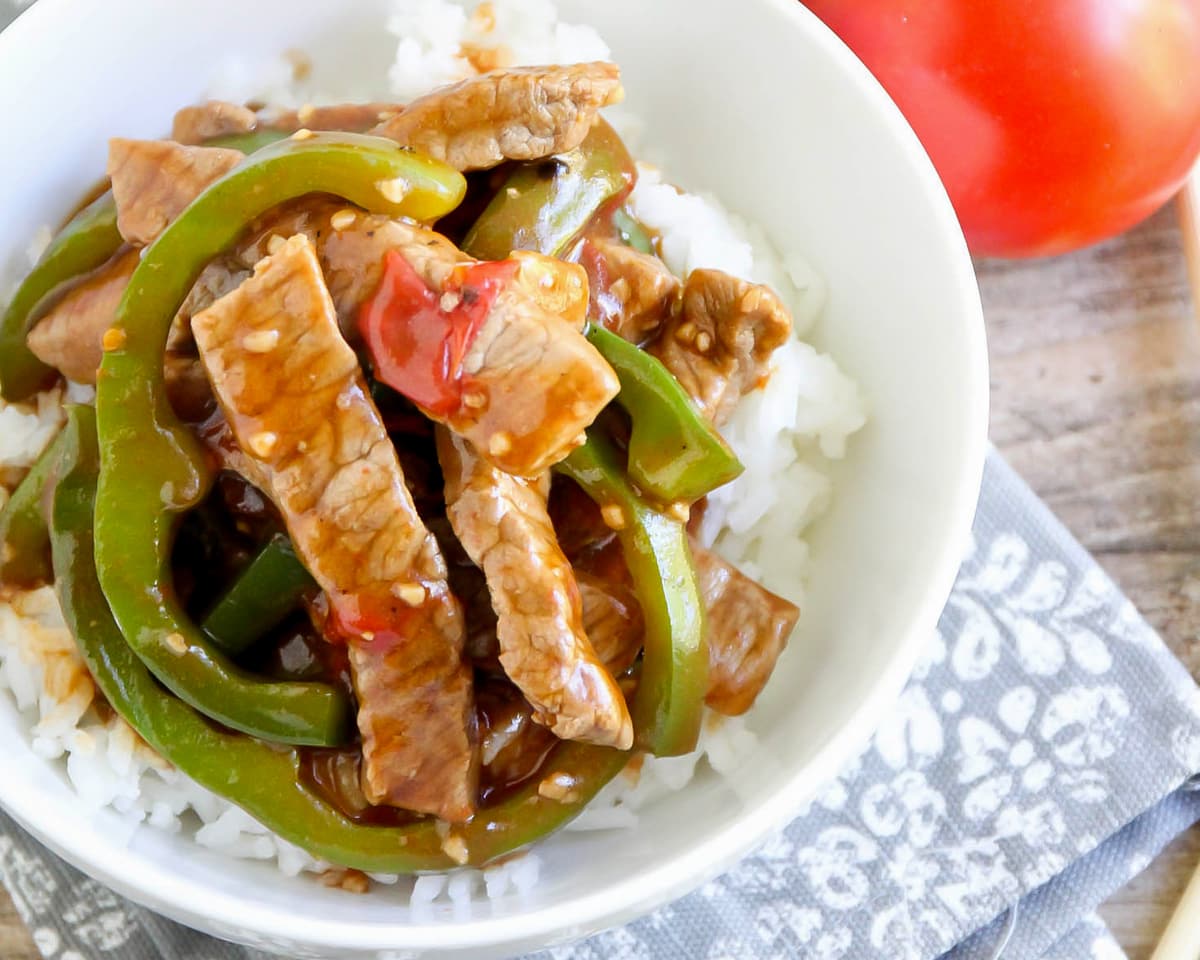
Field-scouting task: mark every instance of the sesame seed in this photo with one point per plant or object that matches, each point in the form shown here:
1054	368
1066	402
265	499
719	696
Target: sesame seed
703	341
302	446
275	244
455	847
679	511
475	399
557	786
261	341
306	113
686	332
388	115
393	190
263	442
343	219
303	134
411	593
368	635
114	339
450	299
499	444
614	516
176	644
513	192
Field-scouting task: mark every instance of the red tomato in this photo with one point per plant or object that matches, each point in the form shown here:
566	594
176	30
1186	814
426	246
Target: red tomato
1053	123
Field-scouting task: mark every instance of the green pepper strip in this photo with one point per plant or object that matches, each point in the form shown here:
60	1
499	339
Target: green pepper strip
88	240
674	452
263	594
24	540
631	232
544	206
262	779
153	468
674	677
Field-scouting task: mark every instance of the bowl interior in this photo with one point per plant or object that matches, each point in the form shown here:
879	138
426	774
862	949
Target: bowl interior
768	111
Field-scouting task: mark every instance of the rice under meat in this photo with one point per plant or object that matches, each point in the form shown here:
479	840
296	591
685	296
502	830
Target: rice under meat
785	434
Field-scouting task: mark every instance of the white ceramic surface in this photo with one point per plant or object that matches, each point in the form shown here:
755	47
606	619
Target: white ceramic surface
755	101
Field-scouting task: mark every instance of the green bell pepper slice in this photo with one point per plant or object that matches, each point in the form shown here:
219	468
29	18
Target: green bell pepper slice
88	241
262	779
668	705
675	454
631	232
24	539
153	468
543	206
270	587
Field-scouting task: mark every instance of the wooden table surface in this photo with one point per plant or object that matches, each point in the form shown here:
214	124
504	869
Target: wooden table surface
1096	402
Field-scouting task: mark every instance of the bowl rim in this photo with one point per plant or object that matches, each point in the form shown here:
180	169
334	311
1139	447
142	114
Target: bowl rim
147	881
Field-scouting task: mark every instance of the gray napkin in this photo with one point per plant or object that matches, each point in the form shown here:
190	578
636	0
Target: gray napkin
1037	760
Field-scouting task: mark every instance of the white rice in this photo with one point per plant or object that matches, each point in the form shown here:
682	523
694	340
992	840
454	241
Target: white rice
785	435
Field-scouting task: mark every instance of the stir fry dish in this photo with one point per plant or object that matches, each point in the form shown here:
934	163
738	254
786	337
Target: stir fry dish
382	525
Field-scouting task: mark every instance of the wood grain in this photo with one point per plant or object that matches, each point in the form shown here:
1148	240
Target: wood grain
15	941
1096	402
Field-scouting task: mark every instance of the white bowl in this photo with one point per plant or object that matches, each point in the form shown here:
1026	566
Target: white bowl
769	111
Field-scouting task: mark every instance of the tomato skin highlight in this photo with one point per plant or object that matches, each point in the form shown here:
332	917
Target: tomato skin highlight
1053	123
419	338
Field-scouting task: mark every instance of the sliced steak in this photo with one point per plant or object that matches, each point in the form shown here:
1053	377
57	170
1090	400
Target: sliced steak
502	523
719	345
612	619
748	627
632	293
153	181
352	117
520	114
218	118
69	337
296	402
213	118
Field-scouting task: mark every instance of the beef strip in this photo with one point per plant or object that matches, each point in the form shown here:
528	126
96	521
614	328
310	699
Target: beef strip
632	293
154	180
748	627
217	118
353	117
69	336
720	343
612	620
512	745
296	402
520	114
502	523
213	118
